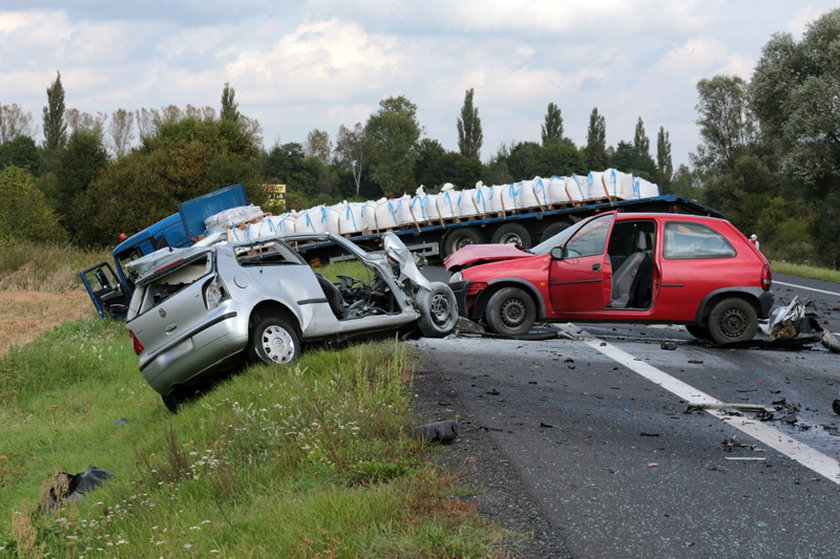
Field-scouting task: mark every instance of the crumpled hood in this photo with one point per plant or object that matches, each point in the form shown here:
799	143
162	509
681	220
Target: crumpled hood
481	254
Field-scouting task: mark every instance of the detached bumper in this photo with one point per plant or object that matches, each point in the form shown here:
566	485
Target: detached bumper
459	288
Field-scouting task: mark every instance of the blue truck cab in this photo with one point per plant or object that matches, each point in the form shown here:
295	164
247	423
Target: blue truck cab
107	285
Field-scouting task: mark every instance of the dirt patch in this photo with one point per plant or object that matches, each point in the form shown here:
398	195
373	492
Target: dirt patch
25	315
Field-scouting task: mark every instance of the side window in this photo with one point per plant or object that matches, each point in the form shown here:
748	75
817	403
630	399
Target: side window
590	240
685	241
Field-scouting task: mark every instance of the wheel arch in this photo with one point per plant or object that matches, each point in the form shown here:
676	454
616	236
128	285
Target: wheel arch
493	286
271	307
711	299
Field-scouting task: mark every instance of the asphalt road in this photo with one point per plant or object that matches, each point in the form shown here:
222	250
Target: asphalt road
598	431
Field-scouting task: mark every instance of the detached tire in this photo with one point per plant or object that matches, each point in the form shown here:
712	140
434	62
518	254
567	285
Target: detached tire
438	311
510	312
732	320
273	342
512	234
461	237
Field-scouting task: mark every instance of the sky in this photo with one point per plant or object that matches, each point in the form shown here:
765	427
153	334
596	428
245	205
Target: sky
296	66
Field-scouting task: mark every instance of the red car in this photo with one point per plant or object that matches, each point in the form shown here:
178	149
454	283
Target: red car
621	267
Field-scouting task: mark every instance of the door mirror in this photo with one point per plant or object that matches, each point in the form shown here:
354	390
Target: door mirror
558	253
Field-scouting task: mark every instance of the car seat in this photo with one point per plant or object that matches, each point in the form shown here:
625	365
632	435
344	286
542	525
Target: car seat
626	277
334	297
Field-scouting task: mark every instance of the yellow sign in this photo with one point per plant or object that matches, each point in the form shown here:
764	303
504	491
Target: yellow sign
275	197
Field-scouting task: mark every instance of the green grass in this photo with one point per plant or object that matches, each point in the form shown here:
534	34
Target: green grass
44	267
307	460
806	271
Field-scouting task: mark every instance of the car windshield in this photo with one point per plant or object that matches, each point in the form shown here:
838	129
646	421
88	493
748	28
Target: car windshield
560	238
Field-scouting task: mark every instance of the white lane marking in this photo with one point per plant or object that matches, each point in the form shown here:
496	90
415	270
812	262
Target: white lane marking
808	288
810	458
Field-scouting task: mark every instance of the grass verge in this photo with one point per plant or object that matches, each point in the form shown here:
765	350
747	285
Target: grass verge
806	271
308	460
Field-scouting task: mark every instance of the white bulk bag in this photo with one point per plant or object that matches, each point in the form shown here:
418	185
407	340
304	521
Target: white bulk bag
557	193
333	215
578	190
645	189
597	190
313	220
466	203
533	193
351	218
393	213
511	196
368	215
619	185
418	204
488	199
448	203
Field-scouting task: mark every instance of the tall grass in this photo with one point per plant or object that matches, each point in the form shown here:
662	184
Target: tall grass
44	267
307	460
806	271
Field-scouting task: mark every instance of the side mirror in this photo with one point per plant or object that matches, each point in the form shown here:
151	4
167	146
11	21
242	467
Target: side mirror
558	253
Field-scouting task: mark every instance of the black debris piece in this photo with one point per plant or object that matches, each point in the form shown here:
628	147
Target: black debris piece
443	432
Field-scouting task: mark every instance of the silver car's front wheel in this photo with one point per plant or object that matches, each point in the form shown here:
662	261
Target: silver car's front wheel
274	342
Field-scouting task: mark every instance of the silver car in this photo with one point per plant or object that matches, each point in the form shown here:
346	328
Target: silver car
202	310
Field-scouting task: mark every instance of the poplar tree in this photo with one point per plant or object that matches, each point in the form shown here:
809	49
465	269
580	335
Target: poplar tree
552	129
470	136
55	127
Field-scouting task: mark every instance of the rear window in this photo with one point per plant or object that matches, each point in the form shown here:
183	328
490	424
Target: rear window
170	281
686	241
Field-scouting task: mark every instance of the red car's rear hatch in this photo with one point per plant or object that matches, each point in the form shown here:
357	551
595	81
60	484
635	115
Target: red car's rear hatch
471	255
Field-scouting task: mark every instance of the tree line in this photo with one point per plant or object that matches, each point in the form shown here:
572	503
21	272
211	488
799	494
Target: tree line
769	156
91	184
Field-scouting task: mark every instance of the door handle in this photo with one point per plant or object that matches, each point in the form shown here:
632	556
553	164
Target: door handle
170	328
596	267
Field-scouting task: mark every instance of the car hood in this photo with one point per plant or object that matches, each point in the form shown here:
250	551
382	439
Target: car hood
481	254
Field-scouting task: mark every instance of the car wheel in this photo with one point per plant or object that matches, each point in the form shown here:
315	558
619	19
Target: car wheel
172	401
438	310
699	332
512	234
461	237
732	320
510	312
273	342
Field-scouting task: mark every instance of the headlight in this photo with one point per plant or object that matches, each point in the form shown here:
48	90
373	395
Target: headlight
214	294
457	276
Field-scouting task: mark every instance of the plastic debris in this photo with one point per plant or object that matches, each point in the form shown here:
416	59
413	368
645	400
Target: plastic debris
444	431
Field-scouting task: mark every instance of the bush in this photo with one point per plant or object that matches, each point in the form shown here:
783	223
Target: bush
24	212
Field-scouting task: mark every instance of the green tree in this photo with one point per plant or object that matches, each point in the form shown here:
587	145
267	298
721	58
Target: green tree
596	142
230	108
21	152
24	212
354	151
552	128
80	162
470	135
436	167
558	159
629	159
55	127
727	124
664	164
640	140
393	132
318	144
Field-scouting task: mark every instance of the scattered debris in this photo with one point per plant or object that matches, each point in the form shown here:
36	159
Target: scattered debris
467	326
745	458
545	425
835	405
723	406
493	392
72	487
670	346
830	341
442	432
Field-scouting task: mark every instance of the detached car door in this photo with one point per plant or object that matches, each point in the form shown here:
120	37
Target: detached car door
576	281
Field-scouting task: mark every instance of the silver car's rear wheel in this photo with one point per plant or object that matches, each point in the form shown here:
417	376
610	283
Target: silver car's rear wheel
274	342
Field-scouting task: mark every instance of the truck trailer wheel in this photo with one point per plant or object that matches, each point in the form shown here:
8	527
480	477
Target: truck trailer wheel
512	234
461	237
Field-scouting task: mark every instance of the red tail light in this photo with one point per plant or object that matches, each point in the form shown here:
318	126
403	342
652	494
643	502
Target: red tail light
138	347
766	278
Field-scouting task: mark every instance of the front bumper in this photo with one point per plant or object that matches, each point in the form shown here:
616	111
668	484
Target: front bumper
459	288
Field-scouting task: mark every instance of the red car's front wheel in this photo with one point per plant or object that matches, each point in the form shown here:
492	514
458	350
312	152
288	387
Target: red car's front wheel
510	312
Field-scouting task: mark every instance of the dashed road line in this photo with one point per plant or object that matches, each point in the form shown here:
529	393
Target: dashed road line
810	458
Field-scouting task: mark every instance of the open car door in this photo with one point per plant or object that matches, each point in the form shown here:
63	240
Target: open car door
105	290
